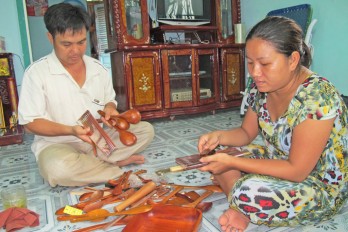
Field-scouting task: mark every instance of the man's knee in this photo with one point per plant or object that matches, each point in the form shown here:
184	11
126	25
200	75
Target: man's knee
149	130
56	167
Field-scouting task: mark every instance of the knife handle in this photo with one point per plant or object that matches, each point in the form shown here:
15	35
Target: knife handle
143	191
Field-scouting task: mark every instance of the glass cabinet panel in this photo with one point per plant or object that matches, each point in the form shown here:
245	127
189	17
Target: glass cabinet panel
226	18
180	77
206	76
133	18
191	77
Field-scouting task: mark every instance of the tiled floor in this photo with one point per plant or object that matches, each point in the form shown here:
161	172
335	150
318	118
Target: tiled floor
173	139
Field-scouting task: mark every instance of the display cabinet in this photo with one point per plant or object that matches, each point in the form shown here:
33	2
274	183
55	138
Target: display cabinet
175	69
10	131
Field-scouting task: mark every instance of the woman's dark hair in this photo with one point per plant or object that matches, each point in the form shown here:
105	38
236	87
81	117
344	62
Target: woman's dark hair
284	34
64	16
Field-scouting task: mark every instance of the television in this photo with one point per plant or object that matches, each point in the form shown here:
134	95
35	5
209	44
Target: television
184	12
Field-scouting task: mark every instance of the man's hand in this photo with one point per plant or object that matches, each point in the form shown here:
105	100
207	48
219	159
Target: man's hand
82	133
109	110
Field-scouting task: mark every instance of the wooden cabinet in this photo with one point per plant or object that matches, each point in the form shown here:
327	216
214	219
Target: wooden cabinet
10	131
232	76
201	70
138	82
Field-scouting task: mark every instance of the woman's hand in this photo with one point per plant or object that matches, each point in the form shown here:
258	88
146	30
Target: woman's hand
208	142
217	163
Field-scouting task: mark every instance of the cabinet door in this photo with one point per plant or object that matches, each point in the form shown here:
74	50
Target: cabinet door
143	80
190	77
178	80
128	22
227	14
232	62
207	77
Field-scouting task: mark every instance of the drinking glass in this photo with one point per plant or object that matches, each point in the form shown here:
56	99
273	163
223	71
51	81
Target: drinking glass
14	196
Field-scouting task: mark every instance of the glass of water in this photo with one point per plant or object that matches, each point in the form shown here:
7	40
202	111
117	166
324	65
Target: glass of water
14	196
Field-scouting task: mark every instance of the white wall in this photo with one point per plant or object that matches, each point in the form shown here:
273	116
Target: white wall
329	34
9	28
38	34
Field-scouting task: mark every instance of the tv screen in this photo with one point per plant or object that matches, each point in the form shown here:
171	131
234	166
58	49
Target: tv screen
183	12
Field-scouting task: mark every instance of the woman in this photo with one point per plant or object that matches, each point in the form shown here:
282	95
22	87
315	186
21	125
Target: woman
300	175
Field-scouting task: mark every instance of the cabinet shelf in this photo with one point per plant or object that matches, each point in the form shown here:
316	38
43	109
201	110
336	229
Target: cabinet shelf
180	75
185	74
184	28
185	34
177	78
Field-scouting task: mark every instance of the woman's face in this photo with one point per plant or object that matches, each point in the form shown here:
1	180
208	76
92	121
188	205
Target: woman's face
270	70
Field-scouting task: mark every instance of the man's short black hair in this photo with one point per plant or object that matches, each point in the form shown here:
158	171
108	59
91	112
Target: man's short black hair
63	16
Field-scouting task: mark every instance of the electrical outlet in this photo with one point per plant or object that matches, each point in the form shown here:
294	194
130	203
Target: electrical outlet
2	44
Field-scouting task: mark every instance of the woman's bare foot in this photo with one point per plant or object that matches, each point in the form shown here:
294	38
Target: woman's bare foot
213	180
233	220
133	159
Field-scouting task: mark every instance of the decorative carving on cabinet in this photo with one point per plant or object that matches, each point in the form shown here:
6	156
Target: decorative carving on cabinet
232	61
142	70
233	77
233	74
142	67
145	85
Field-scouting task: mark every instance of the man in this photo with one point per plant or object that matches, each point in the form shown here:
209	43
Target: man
57	90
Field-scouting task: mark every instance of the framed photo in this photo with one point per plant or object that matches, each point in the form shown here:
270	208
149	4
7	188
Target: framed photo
36	7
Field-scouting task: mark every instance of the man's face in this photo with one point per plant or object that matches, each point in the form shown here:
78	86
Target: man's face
69	47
